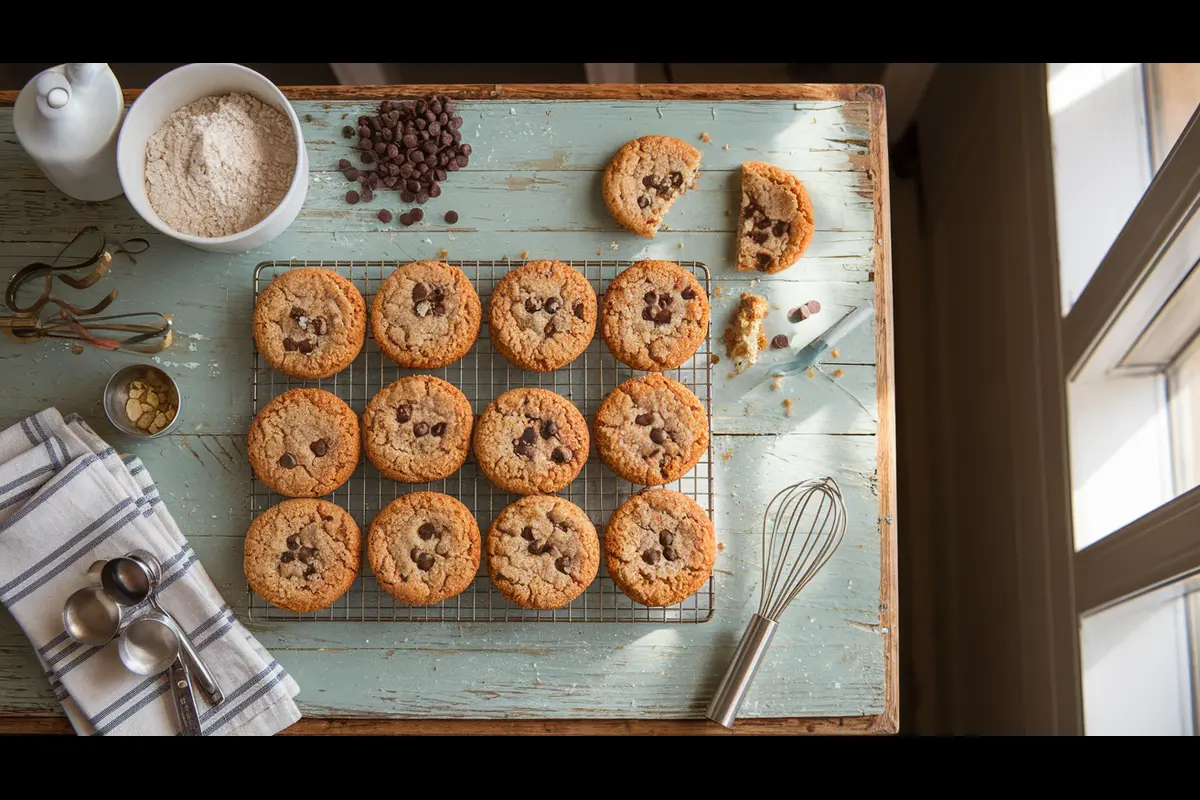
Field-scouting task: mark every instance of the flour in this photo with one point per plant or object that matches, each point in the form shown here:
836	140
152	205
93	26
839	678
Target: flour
220	165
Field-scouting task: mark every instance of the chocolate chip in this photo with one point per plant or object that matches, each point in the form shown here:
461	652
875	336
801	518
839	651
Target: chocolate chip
439	429
562	564
780	341
527	533
304	346
405	219
676	179
529	436
348	132
288	344
553	304
561	455
286	557
670	554
367	157
403	412
522	449
651	557
424	562
658	435
352	174
662	317
427	531
648	314
813	306
365	143
534	549
532	306
762	223
648	181
666	300
435	190
367	195
550	330
293	542
688	294
665	538
392	150
649	297
417	214
413	186
780	228
420	429
409	140
319	448
439	310
465	149
644	419
310	571
549	428
343	164
384	215
577	309
643	201
351	197
451	217
297	312
759	237
762	261
306	554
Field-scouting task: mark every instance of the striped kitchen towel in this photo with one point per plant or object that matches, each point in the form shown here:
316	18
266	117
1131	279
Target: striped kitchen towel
67	499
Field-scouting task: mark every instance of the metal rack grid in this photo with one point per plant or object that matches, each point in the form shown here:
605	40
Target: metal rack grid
482	375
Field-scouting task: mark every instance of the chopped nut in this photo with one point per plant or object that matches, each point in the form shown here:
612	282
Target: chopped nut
160	419
145	420
837	373
150	399
133	409
171	414
704	137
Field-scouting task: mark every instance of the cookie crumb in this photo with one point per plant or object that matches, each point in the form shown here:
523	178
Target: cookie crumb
775	384
728	454
719	290
613	245
679	245
714	358
726	147
443	253
598	252
524	254
720	545
837	373
746	411
789	410
834	352
704	137
811	373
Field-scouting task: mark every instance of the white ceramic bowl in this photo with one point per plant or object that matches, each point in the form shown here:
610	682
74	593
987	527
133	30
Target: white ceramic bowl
172	92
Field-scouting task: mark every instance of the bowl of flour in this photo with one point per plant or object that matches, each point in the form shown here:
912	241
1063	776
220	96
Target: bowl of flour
213	155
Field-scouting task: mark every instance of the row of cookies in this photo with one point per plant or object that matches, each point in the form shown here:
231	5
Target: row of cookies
650	430
424	547
648	174
311	323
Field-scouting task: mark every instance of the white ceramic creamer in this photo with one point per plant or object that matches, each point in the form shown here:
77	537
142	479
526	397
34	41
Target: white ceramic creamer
67	119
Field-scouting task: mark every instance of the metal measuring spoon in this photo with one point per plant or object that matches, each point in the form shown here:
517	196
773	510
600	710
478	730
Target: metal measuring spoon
131	579
151	646
91	617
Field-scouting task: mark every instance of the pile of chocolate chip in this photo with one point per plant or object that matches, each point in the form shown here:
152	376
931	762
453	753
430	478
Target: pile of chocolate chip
413	146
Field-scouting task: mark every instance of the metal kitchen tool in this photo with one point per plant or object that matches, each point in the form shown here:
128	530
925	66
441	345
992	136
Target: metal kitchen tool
151	646
141	332
810	354
797	541
91	617
134	578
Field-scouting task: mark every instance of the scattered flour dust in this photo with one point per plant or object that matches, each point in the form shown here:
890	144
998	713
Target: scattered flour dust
220	165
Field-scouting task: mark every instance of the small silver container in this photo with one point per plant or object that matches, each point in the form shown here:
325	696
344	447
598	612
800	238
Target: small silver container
116	395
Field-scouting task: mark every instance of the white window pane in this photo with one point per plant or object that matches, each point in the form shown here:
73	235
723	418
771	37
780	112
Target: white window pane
1137	665
1173	92
1185	418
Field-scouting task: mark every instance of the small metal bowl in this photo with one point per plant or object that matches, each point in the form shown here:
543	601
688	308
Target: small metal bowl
116	395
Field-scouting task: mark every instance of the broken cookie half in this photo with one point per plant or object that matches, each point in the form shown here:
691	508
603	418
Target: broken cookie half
776	219
645	178
744	337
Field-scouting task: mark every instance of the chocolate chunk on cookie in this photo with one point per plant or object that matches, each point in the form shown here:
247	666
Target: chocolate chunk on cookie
426	315
651	430
645	178
424	547
660	547
304	443
542	315
543	552
654	315
310	323
776	223
531	441
302	555
417	429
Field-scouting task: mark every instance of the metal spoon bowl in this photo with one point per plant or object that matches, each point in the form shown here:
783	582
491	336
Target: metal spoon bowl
91	617
149	646
127	580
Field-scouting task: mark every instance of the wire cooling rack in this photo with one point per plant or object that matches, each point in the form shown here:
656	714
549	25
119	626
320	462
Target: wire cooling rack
482	375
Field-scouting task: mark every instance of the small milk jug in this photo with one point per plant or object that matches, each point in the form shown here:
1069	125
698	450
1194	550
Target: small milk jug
67	119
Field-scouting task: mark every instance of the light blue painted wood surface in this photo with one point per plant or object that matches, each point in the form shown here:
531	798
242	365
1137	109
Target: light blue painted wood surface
532	186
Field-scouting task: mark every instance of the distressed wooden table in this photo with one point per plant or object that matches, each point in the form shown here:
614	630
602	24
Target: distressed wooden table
534	186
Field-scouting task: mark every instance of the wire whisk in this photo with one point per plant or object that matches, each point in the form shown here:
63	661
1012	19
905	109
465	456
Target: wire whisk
802	528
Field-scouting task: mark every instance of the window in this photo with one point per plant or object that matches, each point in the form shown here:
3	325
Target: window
1126	148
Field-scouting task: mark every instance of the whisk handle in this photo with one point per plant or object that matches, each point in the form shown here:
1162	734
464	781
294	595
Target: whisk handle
731	691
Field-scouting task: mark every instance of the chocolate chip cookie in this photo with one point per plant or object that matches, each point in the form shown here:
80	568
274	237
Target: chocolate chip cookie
777	218
301	555
654	315
310	323
417	429
542	315
645	178
651	430
304	443
542	552
660	547
424	547
531	441
426	315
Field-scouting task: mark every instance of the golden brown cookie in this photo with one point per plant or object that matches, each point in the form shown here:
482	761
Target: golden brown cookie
654	315
301	555
660	547
417	429
645	178
310	323
542	552
651	430
424	547
304	443
426	315
531	441
776	218
542	315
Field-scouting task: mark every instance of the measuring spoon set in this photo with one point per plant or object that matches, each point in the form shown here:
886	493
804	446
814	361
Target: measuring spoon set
151	641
